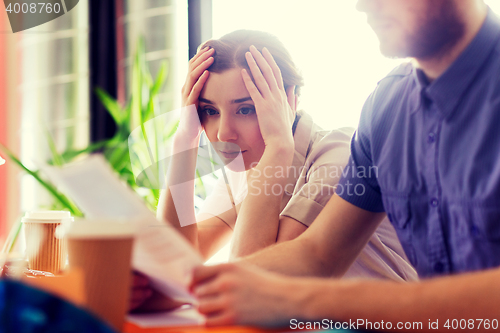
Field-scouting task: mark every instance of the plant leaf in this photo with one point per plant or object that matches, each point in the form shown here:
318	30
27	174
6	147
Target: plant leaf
160	79
57	159
111	105
69	155
47	185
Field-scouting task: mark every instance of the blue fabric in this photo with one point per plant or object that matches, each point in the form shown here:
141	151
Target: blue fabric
428	154
27	310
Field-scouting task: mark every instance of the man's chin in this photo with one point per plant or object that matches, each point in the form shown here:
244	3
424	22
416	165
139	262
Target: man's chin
389	50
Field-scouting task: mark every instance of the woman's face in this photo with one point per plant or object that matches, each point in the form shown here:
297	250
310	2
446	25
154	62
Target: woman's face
229	119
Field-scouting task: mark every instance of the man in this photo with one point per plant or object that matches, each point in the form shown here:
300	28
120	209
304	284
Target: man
429	135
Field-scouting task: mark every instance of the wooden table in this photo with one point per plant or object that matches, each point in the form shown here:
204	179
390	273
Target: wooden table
131	328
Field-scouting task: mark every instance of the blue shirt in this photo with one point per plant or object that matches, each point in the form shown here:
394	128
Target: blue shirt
428	154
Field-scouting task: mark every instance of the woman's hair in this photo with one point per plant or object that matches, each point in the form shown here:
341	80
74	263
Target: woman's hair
230	52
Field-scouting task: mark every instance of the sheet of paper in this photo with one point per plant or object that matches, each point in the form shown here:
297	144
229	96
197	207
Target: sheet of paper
184	316
159	250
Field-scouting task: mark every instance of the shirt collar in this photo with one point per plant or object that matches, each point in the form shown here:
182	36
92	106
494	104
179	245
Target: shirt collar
417	96
303	134
448	89
302	138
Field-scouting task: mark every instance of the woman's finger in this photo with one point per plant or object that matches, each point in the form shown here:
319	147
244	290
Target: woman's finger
265	68
139	279
138	296
260	80
252	89
290	95
197	55
194	75
274	66
197	65
200	57
198	86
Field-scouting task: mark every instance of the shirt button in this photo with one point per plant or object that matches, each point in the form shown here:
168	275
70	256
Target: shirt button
431	137
439	267
434	202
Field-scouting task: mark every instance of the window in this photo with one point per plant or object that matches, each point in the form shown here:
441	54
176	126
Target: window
330	41
53	93
163	25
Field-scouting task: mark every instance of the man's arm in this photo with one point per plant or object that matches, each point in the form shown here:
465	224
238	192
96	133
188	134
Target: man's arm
473	297
237	294
328	247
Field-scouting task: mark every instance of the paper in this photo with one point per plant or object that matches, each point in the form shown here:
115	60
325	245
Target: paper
160	252
184	316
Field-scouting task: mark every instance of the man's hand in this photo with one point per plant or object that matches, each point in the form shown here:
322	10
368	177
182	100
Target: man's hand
239	294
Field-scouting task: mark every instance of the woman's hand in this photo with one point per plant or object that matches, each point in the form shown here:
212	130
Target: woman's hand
274	106
143	298
141	290
258	219
197	76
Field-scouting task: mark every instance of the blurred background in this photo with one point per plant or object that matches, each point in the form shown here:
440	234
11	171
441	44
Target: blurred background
48	74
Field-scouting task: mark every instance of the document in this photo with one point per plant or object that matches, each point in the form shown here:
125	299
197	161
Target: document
160	252
183	316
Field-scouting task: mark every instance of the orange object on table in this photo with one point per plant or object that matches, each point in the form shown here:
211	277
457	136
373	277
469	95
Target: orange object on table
68	286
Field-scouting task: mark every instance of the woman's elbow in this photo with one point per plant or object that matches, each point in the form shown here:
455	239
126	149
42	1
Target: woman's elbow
289	229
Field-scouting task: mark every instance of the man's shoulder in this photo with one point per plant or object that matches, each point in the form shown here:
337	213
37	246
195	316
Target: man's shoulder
393	84
390	95
402	71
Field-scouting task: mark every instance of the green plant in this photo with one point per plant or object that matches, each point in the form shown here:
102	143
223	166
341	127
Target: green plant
139	113
139	110
60	198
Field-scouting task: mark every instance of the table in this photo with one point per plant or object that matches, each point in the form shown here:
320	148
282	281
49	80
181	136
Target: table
184	319
132	328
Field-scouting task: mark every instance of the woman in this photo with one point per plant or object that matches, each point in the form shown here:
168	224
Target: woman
281	168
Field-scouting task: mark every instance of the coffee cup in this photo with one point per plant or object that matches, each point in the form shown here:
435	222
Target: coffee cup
45	252
102	250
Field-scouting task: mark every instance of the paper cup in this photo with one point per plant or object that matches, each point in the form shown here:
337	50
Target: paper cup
102	250
45	252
